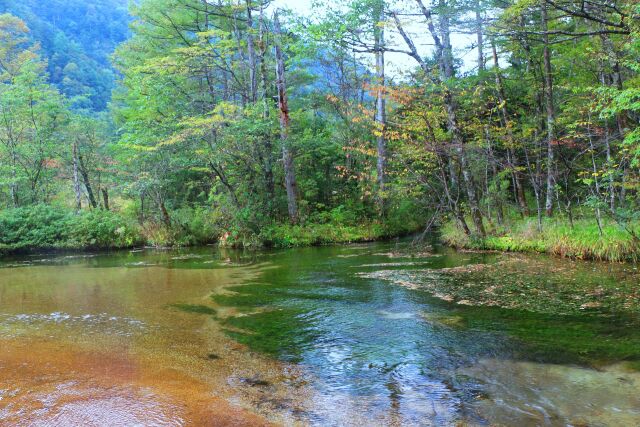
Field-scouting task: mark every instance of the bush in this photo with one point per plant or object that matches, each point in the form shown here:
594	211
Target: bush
38	226
404	217
189	226
195	226
48	227
319	234
103	229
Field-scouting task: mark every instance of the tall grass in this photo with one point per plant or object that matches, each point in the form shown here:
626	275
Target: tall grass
582	241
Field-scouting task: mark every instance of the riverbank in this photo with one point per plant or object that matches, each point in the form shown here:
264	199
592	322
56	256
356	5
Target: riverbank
291	236
45	228
580	241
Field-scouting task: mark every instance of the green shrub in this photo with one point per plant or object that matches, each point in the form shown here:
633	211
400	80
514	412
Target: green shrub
404	217
319	234
49	227
103	229
38	226
194	226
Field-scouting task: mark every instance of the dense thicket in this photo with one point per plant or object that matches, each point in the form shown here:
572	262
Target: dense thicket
232	119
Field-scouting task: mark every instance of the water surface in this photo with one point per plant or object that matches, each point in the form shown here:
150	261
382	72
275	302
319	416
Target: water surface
381	334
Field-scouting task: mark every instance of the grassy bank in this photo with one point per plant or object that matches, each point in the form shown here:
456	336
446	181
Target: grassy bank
582	240
288	236
49	228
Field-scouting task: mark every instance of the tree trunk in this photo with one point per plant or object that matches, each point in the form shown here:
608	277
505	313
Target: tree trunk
142	217
87	183
14	178
166	219
610	166
596	183
479	36
550	111
287	156
253	83
105	199
522	200
76	178
445	32
380	117
268	149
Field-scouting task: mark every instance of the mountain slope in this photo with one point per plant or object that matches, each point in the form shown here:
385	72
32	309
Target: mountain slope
76	37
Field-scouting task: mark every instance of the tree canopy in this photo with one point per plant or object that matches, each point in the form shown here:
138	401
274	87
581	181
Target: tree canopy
238	118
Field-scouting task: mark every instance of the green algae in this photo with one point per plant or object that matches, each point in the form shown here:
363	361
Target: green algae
195	308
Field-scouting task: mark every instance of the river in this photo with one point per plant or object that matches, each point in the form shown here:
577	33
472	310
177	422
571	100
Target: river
369	334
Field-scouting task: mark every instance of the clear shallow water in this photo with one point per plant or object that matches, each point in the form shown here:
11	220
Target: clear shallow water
335	335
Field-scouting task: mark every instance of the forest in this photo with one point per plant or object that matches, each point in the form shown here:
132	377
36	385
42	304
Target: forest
510	125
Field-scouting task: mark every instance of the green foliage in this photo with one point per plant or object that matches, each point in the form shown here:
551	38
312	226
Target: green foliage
319	234
36	226
76	37
582	240
102	229
49	227
196	226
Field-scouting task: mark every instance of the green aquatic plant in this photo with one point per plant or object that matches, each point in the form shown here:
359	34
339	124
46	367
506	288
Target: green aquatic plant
195	308
583	339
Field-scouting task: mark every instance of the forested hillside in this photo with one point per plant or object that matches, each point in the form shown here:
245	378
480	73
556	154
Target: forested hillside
238	122
77	38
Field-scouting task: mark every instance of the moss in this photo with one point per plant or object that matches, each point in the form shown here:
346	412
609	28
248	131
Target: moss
278	332
538	284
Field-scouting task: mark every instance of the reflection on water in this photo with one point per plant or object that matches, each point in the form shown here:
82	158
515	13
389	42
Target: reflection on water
364	334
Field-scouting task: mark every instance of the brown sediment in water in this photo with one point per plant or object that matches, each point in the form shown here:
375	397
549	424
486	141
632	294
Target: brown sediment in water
101	346
44	383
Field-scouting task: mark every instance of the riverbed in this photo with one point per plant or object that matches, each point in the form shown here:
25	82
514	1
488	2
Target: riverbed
368	334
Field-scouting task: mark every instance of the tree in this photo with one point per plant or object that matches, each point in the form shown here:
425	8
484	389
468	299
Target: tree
32	115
